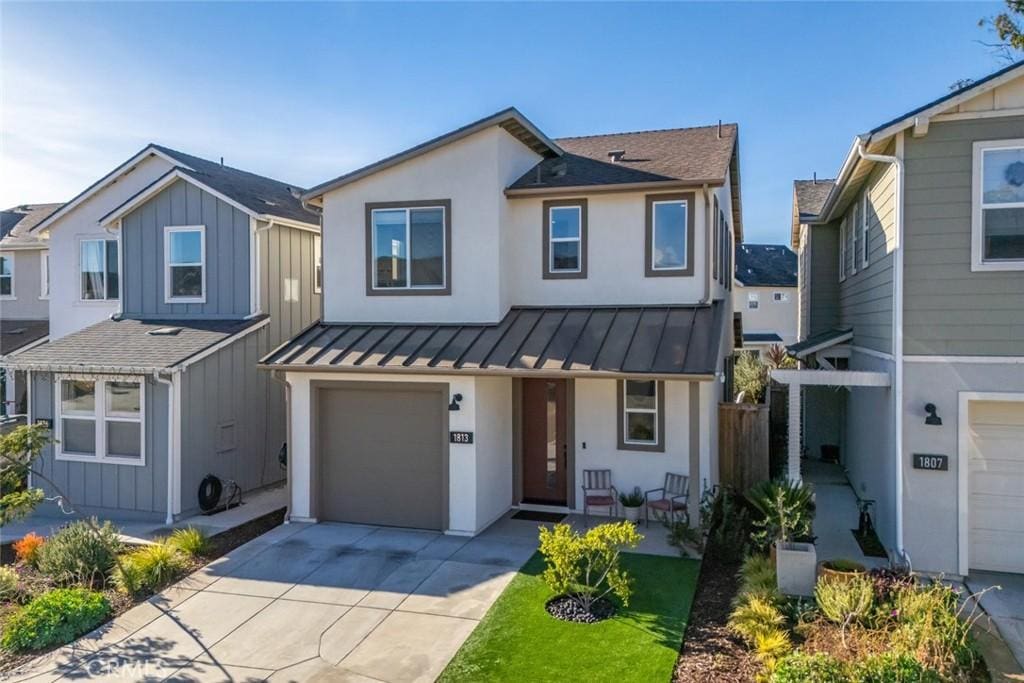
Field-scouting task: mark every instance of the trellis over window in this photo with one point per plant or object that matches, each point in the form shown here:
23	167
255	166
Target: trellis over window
100	419
997	216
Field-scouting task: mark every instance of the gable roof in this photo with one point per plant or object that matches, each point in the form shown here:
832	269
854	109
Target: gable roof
820	341
510	119
17	334
808	198
765	265
261	196
17	221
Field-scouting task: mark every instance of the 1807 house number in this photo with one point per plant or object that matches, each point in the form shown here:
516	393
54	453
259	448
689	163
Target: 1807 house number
926	461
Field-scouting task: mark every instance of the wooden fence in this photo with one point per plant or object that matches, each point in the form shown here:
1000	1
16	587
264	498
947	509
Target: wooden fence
742	444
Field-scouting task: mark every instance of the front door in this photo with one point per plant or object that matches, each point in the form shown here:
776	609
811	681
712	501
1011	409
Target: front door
545	445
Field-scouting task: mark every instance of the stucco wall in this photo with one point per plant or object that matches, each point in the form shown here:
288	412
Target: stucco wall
493	449
770	315
25	304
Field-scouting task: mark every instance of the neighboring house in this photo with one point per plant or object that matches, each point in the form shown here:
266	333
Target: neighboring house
24	293
765	293
176	275
503	311
912	296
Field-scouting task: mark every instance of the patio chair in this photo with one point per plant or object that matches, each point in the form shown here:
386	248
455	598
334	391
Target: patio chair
673	498
598	491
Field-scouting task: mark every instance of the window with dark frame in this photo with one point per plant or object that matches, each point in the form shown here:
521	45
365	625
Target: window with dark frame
408	248
669	234
564	239
641	416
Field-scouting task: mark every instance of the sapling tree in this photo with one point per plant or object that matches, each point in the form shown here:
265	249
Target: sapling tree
585	567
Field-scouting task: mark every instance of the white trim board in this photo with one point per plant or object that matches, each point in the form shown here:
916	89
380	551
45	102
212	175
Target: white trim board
982	360
833	378
871	352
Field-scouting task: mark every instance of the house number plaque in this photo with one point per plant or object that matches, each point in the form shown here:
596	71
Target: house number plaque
460	437
928	461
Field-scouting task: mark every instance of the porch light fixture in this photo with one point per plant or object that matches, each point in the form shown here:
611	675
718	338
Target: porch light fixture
454	405
933	418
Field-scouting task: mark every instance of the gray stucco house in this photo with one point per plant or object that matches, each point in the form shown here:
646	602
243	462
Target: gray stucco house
912	297
208	268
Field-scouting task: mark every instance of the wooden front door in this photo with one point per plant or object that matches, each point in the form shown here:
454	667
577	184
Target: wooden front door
545	445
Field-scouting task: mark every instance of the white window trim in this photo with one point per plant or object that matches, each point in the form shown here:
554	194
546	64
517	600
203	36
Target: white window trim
978	262
100	418
106	281
44	274
626	410
865	232
578	239
318	265
9	256
654	235
408	246
854	232
168	231
842	250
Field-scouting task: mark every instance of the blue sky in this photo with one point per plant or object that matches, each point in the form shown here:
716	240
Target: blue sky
305	92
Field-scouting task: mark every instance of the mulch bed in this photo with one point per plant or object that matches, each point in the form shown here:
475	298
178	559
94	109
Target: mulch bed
220	544
710	652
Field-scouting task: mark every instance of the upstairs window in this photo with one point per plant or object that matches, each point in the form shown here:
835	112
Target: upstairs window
669	238
780	297
842	250
7	276
318	265
409	248
865	227
753	300
641	415
997	226
99	270
44	275
185	264
855	236
565	239
100	421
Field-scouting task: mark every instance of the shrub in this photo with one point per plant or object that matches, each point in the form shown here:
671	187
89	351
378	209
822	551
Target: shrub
931	628
190	541
750	377
755	616
893	668
845	601
8	583
757	577
27	549
726	518
771	646
148	568
819	668
54	618
785	511
81	553
586	566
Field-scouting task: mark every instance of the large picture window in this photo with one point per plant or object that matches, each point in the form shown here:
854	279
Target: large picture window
185	264
998	209
100	420
669	234
99	269
409	248
565	239
641	415
7	276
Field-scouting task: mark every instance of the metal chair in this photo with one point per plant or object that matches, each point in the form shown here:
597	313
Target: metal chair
673	498
598	491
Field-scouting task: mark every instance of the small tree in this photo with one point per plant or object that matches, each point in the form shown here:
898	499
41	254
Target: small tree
19	449
1008	26
585	567
750	377
786	511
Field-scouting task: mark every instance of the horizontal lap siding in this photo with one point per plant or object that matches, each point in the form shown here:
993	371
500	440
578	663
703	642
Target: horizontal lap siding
227	254
100	488
948	309
287	253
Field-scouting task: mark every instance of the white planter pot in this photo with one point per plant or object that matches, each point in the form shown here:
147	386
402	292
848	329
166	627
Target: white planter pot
631	514
796	568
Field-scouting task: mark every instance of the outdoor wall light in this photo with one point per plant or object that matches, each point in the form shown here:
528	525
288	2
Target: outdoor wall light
933	418
454	405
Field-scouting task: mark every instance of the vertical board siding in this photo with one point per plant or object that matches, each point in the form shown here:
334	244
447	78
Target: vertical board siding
949	309
865	297
227	254
824	289
287	253
224	389
125	491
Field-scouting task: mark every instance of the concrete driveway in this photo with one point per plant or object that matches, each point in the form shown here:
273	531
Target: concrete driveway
324	602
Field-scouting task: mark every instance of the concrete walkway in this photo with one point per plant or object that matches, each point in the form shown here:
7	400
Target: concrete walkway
836	515
325	602
1002	598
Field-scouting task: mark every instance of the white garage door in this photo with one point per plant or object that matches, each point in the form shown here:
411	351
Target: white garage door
996	485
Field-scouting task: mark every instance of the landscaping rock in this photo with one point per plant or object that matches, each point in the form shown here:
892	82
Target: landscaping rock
564	607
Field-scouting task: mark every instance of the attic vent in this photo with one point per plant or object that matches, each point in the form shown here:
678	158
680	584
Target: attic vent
559	170
164	331
616	155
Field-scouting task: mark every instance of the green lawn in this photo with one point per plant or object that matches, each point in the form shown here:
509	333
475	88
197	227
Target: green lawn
519	641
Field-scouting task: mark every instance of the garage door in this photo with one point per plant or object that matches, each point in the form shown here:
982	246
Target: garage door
382	455
996	486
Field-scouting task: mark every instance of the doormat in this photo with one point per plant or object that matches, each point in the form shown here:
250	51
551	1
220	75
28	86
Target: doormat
534	516
869	544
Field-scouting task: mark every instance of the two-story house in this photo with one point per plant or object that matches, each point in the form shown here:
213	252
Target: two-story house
765	293
24	294
503	313
172	276
912	297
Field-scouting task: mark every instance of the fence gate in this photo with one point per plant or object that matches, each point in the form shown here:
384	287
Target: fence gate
742	444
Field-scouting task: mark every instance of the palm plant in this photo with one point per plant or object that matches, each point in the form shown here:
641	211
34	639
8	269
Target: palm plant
786	511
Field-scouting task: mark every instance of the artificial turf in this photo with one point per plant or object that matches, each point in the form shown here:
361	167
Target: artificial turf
519	641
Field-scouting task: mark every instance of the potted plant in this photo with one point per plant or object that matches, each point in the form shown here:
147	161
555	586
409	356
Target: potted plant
840	569
786	510
632	502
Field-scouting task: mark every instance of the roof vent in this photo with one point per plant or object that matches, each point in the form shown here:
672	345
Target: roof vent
559	170
164	331
17	330
295	192
616	155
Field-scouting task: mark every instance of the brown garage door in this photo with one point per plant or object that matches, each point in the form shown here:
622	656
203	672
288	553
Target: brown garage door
382	452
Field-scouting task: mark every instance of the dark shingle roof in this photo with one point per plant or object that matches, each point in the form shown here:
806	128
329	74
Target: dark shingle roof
654	340
810	196
127	345
16	221
766	265
678	155
761	337
15	334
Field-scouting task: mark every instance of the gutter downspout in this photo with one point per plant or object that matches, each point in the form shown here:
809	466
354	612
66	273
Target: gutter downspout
708	237
897	321
170	445
120	269
276	376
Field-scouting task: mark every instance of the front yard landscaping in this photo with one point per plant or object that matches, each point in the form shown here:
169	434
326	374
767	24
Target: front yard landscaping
519	640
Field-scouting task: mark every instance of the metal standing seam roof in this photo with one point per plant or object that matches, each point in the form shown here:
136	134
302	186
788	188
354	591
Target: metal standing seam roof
128	345
761	337
649	340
